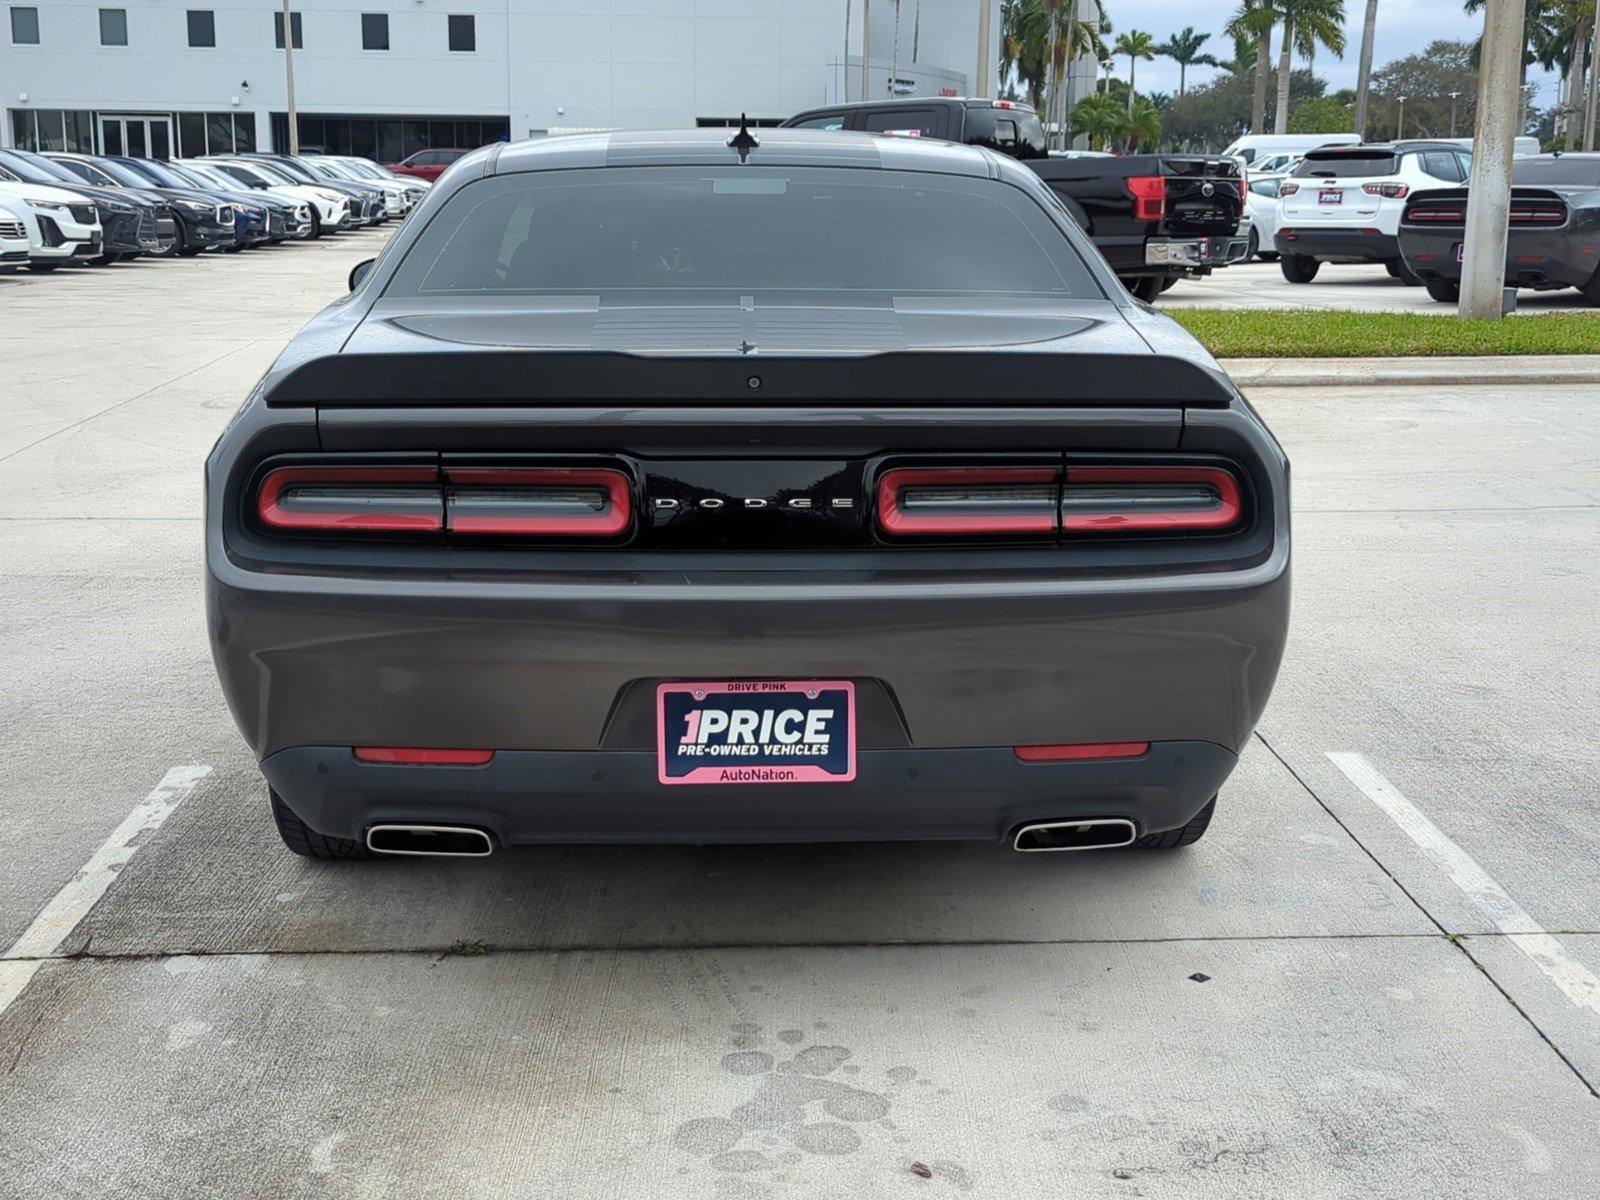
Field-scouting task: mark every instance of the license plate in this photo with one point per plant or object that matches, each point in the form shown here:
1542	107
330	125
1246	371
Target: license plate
756	732
1461	251
1330	196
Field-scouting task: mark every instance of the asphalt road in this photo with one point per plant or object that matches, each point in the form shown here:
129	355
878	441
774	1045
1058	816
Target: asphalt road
1344	287
1375	977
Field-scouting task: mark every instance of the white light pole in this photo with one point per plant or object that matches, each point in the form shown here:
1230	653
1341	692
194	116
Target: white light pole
1400	122
1453	96
1594	80
1483	272
980	77
288	78
866	48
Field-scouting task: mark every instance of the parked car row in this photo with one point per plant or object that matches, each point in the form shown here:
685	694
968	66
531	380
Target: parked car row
58	208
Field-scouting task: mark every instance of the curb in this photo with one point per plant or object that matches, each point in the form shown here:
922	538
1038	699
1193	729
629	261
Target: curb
1453	369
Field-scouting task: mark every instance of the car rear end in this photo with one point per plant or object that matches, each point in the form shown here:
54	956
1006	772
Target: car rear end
956	566
1191	207
1343	205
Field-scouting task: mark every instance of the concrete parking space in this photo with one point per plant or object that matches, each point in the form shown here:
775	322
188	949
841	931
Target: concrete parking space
1321	999
1361	287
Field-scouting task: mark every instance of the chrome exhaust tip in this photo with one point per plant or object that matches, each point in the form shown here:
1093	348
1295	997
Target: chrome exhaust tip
1055	837
430	841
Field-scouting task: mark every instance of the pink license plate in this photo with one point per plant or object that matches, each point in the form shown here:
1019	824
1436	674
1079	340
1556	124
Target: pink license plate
1331	196
756	731
1461	251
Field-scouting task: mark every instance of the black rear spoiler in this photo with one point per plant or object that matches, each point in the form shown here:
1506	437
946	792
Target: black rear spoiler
584	377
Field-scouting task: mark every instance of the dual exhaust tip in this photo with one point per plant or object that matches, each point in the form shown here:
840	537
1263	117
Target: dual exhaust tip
1055	837
464	841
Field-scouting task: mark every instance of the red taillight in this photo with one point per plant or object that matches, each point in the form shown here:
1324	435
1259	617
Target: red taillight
1435	214
1287	189
506	501
1538	212
390	499
931	501
538	501
1149	196
1082	751
1389	191
1140	499
421	756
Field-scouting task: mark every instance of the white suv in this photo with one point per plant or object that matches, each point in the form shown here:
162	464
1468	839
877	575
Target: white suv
1343	203
68	225
329	209
14	240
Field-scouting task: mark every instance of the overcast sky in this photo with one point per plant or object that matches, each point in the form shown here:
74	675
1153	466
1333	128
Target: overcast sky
1404	27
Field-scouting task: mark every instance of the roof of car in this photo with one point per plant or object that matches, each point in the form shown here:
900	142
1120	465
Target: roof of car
1357	150
774	147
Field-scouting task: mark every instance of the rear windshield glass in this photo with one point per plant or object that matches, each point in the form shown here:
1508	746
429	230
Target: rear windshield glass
1557	171
1348	166
743	229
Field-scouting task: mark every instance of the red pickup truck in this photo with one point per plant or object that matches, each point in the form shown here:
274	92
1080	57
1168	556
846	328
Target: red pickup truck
427	164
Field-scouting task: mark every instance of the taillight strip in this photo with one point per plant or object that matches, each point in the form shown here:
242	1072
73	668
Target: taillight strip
1111	500
366	507
422	756
966	500
542	501
1082	751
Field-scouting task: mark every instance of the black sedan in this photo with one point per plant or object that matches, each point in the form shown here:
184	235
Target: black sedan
134	224
251	216
1554	237
667	487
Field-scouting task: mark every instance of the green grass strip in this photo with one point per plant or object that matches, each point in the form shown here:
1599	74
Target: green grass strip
1313	333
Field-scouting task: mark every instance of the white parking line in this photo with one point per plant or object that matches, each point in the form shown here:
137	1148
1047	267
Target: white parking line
71	904
1566	972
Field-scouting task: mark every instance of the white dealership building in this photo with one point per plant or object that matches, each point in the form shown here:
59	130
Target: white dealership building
385	78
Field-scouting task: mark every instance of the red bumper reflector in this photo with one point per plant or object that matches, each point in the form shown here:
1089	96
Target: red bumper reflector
417	756
540	501
936	501
1082	751
351	498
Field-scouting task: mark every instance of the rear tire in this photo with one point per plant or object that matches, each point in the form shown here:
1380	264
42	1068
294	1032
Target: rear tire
1144	287
1591	291
1445	291
1297	268
44	267
1404	273
1187	835
1254	247
307	842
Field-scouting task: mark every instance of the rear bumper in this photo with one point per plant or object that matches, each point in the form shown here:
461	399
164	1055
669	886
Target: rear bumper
532	796
1534	258
1196	252
1351	245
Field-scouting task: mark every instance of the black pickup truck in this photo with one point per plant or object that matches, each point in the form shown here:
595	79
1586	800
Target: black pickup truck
1155	217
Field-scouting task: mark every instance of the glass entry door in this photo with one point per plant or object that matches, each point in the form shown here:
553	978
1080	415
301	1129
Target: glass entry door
136	136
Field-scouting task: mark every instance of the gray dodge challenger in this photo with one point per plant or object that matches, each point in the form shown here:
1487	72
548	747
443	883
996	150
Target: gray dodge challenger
667	487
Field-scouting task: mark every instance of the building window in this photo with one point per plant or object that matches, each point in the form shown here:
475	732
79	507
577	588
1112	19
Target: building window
294	25
215	133
24	26
374	31
113	27
52	129
463	32
202	27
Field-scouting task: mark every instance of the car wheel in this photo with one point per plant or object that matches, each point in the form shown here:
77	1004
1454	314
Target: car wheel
316	226
1297	268
1167	282
1254	246
188	251
1187	835
1591	291
43	267
1445	291
1144	287
1404	273
1269	256
307	842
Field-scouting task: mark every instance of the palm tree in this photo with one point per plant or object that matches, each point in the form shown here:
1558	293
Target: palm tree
1097	117
1136	44
1369	30
1141	126
1256	19
1307	24
1184	49
1243	61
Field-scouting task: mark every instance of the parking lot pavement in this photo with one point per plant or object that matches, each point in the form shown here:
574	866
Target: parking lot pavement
1369	979
1345	287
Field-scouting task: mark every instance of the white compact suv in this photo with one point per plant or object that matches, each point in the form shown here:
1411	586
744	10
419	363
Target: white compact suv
329	209
1343	203
68	224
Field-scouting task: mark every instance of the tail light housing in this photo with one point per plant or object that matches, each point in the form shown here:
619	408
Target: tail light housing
1538	212
511	501
1094	500
1288	189
1389	191
1423	212
945	501
1149	196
